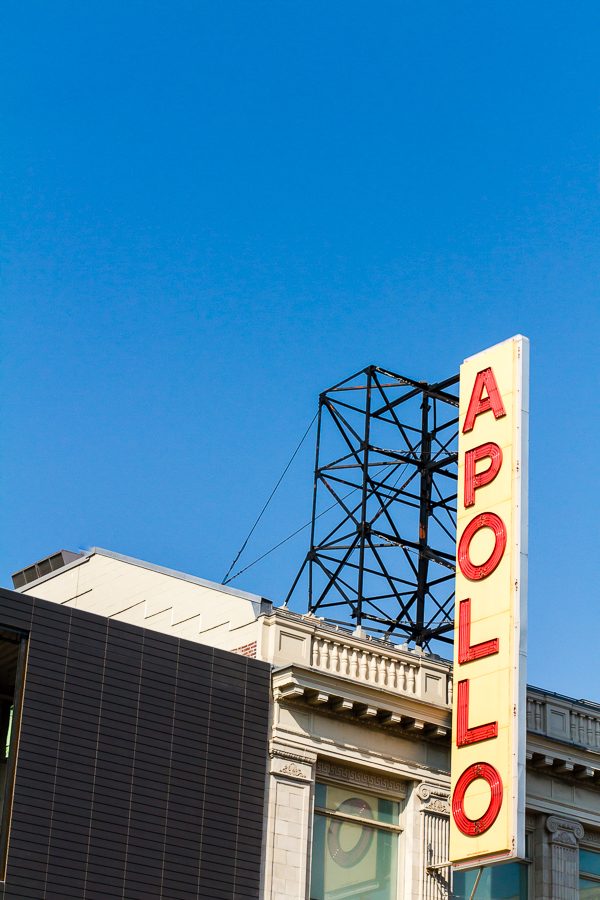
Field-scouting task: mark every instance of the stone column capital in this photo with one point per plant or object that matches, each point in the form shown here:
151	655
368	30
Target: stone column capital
565	832
299	766
433	798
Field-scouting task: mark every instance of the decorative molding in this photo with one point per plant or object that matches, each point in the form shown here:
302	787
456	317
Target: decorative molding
434	799
591	837
297	768
367	780
292	769
566	832
306	758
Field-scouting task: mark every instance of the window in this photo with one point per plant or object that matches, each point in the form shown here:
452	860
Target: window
506	882
589	875
355	845
13	648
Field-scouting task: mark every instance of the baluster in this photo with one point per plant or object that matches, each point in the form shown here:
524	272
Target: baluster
381	679
402	677
325	654
354	663
372	668
410	685
574	726
334	657
529	713
538	715
450	691
391	679
362	668
315	653
344	660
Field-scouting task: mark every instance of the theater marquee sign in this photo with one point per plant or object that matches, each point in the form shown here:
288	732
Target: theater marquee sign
488	748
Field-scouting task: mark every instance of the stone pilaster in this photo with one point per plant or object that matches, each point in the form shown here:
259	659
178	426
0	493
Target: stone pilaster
290	788
557	878
435	811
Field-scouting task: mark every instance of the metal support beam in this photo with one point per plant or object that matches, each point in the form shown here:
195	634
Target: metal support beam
382	544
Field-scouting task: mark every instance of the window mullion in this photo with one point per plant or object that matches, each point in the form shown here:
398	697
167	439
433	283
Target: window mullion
357	820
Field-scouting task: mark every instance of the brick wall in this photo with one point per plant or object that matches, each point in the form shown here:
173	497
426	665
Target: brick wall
247	650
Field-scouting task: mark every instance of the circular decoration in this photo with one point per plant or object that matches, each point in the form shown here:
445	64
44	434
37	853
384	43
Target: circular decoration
354	806
483	520
469	826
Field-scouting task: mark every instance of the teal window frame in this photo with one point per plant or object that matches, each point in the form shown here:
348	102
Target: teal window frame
329	815
588	878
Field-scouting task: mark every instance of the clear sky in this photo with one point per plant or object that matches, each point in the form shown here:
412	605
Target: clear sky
213	211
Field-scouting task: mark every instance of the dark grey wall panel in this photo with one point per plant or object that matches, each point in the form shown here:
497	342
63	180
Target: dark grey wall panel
141	764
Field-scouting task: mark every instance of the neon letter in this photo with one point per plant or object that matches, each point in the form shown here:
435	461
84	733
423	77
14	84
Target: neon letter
479	404
483	520
472	827
466	652
464	734
474	480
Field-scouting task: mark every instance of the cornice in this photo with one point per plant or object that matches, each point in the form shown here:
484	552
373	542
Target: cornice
565	761
364	705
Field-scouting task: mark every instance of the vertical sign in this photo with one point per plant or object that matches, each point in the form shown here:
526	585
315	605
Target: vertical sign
488	741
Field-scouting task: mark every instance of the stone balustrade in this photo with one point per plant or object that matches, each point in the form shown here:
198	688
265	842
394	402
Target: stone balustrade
585	729
350	674
373	667
555	716
412	675
387	669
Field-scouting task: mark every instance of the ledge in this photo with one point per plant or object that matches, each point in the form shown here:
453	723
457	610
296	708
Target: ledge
360	703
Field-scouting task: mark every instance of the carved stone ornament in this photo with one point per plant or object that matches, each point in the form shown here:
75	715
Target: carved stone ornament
591	837
292	769
368	781
435	799
566	832
292	765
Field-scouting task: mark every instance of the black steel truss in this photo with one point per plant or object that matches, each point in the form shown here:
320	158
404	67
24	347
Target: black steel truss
383	532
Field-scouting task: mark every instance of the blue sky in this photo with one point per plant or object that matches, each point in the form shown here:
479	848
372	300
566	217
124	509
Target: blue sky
213	211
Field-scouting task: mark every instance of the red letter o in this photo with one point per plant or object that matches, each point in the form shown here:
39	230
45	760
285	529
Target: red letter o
483	520
472	827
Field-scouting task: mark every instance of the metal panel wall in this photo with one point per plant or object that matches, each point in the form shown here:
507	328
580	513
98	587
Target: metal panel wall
141	765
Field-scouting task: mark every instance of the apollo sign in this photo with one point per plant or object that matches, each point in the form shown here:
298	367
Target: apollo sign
488	748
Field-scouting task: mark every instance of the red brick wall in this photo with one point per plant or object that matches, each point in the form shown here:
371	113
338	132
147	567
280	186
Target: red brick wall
246	650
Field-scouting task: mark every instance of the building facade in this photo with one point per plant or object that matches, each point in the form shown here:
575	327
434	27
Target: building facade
357	764
133	763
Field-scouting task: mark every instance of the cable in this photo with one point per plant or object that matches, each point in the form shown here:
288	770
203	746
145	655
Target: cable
298	530
285	540
226	579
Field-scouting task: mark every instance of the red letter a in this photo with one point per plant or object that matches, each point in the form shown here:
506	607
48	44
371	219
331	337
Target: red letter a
479	404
